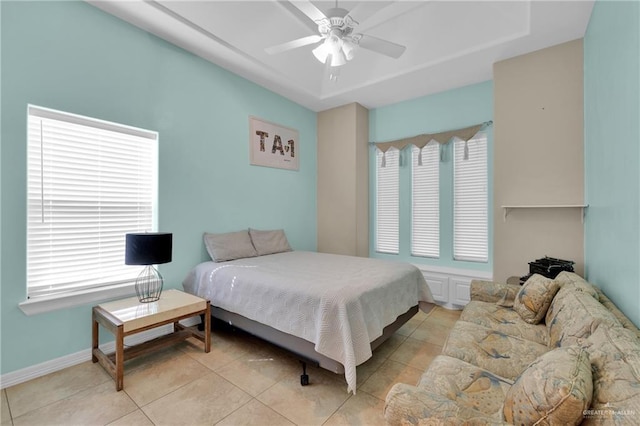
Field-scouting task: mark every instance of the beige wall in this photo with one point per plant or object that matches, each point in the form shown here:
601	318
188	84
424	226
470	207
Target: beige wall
343	180
538	158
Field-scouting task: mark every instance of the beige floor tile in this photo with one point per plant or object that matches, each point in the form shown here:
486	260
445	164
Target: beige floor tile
5	418
53	387
432	331
98	405
442	322
360	409
416	353
390	373
137	418
390	345
411	325
422	315
307	405
380	355
443	313
256	372
161	374
140	362
254	413
366	369
206	400
226	347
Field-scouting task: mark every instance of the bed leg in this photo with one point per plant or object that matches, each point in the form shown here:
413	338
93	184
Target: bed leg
304	377
201	325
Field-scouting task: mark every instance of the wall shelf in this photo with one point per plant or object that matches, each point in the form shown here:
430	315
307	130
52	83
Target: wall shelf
582	208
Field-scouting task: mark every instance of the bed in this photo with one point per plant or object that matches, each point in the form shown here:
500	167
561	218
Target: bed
329	309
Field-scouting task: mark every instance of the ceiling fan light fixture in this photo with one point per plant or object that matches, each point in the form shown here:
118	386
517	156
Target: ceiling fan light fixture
321	52
348	47
338	59
331	47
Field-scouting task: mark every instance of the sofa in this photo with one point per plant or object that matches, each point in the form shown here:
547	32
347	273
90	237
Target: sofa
552	351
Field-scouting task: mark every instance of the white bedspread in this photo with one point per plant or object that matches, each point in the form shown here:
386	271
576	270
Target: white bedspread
339	303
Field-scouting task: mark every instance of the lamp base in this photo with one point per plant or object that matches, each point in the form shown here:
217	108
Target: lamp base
149	285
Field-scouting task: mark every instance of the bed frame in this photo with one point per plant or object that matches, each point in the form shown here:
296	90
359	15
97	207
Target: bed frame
300	348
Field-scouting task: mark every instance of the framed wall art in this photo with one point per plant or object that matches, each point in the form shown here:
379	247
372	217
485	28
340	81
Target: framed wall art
272	145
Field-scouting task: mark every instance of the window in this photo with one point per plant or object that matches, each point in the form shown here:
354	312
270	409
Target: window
425	200
89	183
387	201
470	222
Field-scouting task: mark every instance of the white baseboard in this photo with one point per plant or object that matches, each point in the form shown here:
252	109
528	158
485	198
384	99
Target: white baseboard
47	367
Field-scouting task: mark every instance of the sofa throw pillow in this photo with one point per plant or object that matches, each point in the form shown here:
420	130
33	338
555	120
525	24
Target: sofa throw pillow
269	242
614	353
555	389
229	246
570	281
534	298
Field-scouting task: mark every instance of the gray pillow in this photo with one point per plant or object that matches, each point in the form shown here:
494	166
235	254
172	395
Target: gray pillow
229	246
269	242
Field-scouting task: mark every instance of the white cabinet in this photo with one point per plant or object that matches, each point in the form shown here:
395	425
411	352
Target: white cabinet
439	285
451	287
459	290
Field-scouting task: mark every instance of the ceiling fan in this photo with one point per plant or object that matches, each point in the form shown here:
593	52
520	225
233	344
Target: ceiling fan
336	31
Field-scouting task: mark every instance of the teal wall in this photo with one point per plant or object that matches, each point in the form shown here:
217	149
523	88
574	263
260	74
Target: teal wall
449	110
73	57
612	152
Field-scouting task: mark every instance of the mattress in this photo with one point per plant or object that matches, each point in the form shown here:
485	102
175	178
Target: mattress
339	303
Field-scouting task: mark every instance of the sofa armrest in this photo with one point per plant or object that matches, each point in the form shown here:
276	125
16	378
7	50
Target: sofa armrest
493	292
407	404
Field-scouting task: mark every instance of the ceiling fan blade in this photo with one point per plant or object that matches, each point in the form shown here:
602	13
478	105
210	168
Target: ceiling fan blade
306	7
385	47
299	15
384	14
293	44
364	10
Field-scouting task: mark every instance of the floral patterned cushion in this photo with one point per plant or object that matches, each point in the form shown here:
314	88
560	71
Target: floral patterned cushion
493	292
504	320
570	281
534	298
555	389
615	360
407	405
491	350
468	385
574	317
620	316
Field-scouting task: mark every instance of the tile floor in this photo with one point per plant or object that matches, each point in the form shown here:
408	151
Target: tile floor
242	381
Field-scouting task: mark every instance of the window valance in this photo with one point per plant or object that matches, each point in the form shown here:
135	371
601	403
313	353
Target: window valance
442	138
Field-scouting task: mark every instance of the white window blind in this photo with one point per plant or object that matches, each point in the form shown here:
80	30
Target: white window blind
470	182
89	183
388	201
425	196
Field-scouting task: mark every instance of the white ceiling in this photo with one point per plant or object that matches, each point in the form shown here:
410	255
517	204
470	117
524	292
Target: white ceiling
449	43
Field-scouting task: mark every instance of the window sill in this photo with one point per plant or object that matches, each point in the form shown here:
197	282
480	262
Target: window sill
41	305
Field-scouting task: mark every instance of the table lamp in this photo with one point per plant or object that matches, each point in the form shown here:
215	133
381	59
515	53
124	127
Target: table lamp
148	249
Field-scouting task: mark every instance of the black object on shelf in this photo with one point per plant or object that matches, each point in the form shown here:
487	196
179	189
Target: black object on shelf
549	267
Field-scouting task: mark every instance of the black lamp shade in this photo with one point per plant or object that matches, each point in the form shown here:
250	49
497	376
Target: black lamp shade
150	248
